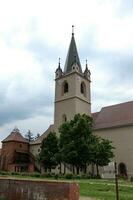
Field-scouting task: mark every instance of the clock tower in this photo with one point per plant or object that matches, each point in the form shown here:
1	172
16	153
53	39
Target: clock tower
72	88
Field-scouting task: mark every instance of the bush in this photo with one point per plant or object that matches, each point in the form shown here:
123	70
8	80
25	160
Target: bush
68	176
35	174
56	176
15	173
47	175
131	179
3	198
4	173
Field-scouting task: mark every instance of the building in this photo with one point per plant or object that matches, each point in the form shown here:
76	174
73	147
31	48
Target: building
72	96
15	154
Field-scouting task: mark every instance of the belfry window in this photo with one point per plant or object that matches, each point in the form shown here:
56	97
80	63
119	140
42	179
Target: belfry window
83	88
64	118
65	87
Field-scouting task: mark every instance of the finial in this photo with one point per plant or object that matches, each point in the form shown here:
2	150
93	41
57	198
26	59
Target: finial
59	62
15	129
86	63
72	29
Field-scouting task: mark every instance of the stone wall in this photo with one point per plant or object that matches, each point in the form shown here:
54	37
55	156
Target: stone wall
16	189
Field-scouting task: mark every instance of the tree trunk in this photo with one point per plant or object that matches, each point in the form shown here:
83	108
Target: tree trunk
97	169
73	169
60	168
50	169
92	167
64	168
77	168
85	169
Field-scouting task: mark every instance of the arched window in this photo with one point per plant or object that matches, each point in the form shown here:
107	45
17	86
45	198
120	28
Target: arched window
65	87
83	88
64	118
122	170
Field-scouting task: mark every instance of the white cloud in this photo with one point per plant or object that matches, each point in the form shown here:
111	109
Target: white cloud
34	33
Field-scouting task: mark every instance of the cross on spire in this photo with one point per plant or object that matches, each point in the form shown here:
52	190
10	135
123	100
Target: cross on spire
72	29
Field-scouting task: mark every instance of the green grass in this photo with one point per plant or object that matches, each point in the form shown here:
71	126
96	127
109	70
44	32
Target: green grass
99	189
105	190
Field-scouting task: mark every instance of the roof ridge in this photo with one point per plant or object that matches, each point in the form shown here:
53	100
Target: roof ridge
116	104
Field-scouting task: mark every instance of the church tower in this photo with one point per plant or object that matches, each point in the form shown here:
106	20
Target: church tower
72	88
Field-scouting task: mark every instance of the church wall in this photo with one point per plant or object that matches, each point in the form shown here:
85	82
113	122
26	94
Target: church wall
82	107
73	101
66	107
35	149
59	90
122	139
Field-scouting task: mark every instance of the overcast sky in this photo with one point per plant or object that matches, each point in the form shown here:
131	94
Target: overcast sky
35	33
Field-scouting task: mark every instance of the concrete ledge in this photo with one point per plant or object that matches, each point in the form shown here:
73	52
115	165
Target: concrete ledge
23	189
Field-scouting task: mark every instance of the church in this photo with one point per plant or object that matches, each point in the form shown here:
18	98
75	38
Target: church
73	96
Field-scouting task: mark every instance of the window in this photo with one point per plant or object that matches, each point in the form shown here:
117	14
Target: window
83	88
65	87
64	118
122	170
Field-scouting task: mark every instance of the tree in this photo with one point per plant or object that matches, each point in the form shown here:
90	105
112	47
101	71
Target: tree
49	150
79	147
29	136
37	136
103	153
75	137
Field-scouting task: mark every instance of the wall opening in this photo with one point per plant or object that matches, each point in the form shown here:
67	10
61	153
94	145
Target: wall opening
122	169
83	88
65	87
64	118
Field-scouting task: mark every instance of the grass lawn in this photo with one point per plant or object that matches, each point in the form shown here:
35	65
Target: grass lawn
97	189
105	190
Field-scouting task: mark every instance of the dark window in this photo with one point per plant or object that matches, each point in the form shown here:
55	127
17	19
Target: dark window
83	88
122	170
65	88
64	118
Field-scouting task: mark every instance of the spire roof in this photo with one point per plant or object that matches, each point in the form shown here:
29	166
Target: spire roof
16	136
72	56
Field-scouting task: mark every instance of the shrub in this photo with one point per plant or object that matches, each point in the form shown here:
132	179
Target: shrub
4	173
15	173
56	176
35	174
69	176
131	179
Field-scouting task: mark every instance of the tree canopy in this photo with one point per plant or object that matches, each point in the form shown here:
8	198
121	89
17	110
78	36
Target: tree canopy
49	151
76	146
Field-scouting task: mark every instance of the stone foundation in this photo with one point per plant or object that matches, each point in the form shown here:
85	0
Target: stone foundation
17	189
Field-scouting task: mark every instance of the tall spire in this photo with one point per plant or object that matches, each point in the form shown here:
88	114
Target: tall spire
72	55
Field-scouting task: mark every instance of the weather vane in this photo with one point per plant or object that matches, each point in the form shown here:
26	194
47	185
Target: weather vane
72	29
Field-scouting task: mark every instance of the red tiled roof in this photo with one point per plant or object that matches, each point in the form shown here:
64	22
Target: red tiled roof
44	135
114	116
15	135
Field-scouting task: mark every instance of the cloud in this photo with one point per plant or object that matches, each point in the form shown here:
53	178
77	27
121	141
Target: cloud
33	37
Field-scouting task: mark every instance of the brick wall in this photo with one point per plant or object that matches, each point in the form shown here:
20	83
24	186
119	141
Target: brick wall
8	151
15	189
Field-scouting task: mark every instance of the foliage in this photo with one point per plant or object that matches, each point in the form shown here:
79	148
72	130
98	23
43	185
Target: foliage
74	140
79	147
29	136
49	151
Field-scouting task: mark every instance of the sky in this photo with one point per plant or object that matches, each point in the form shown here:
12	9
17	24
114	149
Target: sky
35	33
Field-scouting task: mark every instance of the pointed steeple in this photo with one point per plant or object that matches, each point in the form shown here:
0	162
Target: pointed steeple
72	56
